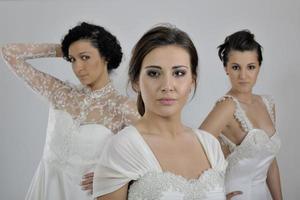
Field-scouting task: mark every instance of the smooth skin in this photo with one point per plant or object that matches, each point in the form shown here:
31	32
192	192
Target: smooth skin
88	65
165	82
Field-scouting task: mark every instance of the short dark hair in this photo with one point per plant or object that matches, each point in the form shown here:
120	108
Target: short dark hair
158	36
242	40
106	43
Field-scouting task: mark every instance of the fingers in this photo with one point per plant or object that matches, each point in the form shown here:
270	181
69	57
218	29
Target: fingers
88	175
87	187
232	194
87	182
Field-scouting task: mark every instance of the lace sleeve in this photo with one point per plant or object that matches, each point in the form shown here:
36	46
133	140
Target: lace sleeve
130	113
16	55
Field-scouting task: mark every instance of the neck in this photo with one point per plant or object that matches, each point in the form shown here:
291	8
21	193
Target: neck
165	126
99	84
246	97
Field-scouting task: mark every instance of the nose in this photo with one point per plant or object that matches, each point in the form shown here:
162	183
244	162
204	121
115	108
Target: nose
167	84
77	66
242	74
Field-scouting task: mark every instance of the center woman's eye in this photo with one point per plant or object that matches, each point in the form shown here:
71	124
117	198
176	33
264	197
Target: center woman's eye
179	73
153	73
251	67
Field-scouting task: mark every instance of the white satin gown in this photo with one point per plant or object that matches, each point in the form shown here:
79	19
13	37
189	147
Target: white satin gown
248	162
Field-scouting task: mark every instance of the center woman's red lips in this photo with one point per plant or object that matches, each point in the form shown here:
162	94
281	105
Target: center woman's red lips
167	101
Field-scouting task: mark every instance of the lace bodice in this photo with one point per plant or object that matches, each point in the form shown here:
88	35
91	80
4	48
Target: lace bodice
254	137
166	185
105	106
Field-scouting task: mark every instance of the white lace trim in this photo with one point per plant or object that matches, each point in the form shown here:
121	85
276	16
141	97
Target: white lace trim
255	141
239	113
152	185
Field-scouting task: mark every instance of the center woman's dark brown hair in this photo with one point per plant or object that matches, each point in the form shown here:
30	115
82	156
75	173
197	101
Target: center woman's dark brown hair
158	36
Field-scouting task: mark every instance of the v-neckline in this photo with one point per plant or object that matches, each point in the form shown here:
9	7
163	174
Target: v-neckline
158	165
247	120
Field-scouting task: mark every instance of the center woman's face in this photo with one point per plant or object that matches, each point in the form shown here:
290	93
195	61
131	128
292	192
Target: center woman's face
165	80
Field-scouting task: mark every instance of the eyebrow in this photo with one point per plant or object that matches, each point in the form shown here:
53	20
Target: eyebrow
173	67
247	64
83	52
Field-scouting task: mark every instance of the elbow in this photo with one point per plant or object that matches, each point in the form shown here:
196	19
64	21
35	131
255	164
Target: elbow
5	51
8	54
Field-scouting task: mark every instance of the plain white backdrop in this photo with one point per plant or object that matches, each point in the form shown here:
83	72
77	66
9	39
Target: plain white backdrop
276	24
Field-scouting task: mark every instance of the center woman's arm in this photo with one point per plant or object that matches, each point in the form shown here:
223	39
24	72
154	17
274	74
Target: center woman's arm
120	194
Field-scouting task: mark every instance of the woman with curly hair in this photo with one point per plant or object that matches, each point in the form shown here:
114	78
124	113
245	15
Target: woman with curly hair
81	118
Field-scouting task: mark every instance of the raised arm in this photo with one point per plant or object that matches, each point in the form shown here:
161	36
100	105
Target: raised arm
16	56
219	117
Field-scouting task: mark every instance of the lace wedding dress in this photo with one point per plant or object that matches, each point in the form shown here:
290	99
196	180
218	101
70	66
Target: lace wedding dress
80	121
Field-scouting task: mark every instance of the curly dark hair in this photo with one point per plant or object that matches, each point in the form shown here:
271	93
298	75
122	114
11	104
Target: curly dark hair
106	43
240	41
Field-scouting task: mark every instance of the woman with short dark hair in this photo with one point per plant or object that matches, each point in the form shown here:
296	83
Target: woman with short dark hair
81	118
245	123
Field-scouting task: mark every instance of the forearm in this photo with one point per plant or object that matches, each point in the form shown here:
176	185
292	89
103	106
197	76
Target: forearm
16	56
24	51
273	181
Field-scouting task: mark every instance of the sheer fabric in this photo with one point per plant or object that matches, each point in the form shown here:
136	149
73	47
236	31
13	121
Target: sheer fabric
80	121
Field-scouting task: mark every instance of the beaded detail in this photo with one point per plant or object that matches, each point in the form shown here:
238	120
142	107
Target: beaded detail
256	141
70	142
239	113
155	185
104	106
269	102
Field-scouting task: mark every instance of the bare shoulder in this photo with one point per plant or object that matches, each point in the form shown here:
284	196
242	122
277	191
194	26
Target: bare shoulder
219	117
225	105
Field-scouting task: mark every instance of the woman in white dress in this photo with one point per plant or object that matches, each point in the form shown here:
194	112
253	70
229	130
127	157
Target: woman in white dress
159	158
81	118
245	123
